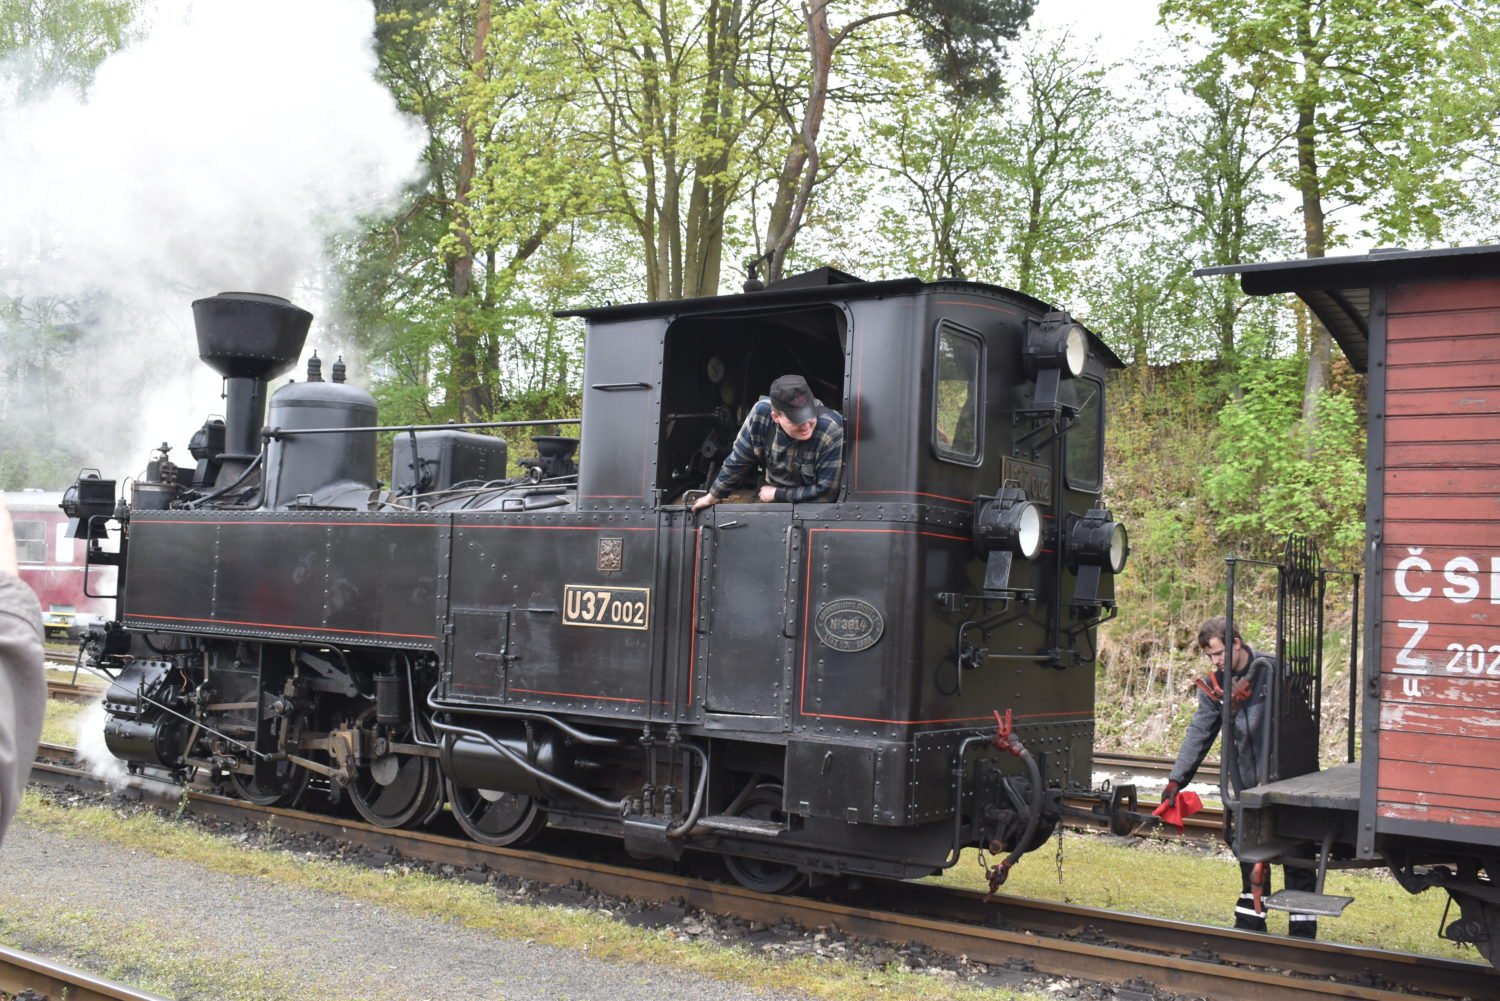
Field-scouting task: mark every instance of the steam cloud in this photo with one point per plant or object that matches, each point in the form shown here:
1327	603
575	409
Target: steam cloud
91	751
217	152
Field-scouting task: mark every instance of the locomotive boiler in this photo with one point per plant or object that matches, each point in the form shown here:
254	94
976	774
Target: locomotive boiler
859	686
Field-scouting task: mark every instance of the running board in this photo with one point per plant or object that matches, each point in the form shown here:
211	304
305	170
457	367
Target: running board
1302	902
744	825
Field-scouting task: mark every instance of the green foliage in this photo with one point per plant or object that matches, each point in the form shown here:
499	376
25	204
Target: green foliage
64	41
965	39
1354	86
1270	477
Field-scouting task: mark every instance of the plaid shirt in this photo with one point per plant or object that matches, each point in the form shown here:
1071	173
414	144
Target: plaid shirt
800	470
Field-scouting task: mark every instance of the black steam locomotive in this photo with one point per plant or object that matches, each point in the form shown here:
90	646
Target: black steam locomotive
804	689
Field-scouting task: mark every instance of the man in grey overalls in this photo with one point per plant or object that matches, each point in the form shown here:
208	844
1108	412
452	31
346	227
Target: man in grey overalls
1250	673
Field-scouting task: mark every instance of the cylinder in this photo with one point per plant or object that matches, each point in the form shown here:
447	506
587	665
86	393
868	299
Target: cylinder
474	764
149	742
389	699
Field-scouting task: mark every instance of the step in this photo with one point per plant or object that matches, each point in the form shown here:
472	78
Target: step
744	825
1326	904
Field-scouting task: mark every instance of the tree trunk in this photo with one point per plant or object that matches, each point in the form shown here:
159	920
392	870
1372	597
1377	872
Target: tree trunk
709	199
800	170
468	379
1319	356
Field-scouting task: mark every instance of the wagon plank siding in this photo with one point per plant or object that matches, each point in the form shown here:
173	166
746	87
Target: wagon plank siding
1458	818
1442	480
1476	694
1451	375
1414	797
1440	505
1458	456
1468	721
1446	297
1479	786
1440	589
1445	401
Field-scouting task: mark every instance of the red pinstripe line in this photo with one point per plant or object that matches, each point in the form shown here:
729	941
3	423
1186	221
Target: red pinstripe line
895	531
918	493
693	636
558	528
576	695
956	719
859	399
277	625
350	524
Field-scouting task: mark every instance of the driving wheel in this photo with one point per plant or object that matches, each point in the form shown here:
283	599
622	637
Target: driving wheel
495	818
395	789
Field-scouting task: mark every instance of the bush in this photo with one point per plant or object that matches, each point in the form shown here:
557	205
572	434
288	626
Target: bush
1272	475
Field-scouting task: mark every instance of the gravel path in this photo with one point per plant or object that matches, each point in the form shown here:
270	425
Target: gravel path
307	944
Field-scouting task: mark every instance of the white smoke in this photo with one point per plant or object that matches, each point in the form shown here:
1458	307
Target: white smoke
88	745
217	152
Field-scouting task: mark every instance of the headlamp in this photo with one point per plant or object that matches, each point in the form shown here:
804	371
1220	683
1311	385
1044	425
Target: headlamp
1096	543
1006	526
1056	346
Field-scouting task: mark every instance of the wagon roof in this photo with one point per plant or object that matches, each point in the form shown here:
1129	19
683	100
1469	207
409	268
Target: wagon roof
34	500
1337	289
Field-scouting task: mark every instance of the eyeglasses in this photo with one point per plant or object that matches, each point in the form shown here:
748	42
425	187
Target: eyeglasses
805	425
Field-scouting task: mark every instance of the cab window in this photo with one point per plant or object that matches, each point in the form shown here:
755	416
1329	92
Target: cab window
957	395
1084	441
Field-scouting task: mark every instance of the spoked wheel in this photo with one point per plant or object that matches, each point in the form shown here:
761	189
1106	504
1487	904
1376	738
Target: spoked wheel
495	818
396	789
763	875
284	790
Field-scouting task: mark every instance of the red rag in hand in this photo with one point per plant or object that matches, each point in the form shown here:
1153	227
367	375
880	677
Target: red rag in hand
1185	805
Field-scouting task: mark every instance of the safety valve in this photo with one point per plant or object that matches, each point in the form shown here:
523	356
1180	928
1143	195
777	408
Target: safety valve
1055	346
1096	542
1006	526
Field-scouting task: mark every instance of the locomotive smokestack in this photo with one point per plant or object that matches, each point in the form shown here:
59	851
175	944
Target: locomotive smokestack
249	339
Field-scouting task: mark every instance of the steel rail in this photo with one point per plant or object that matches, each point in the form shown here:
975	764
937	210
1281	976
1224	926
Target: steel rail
20	972
1004	932
63	691
1143	764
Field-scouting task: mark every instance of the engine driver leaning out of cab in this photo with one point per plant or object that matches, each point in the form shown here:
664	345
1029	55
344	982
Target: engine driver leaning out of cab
798	442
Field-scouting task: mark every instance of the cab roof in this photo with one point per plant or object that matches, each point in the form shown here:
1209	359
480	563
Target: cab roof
822	285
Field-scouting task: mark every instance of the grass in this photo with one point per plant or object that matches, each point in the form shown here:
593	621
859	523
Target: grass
60	725
1177	880
160	957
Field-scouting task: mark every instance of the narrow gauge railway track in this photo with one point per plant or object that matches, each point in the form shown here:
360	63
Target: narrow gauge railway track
65	691
1205	825
1008	933
1145	765
49	981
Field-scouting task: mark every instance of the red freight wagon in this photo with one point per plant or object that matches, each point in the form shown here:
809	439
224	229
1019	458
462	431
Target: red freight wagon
1424	797
51	561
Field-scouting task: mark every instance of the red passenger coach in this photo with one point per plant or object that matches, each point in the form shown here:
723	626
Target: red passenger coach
1424	798
51	561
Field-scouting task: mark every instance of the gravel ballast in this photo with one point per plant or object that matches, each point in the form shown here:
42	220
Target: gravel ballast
294	942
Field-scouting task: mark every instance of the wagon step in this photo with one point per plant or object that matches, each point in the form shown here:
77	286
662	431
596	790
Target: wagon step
744	825
1303	902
